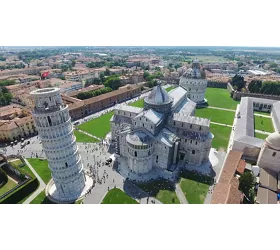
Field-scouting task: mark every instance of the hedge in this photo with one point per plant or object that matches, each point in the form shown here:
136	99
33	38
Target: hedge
3	178
20	193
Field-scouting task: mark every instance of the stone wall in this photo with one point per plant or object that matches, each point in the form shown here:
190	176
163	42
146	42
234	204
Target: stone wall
220	85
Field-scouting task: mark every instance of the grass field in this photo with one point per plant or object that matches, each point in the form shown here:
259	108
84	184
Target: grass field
81	137
8	186
170	88
16	163
216	115
117	196
41	167
260	136
221	136
220	98
195	192
99	127
138	104
263	123
167	197
162	190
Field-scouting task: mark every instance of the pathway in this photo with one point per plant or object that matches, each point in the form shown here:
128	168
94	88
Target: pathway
268	116
211	107
180	194
41	187
208	197
262	132
88	134
221	124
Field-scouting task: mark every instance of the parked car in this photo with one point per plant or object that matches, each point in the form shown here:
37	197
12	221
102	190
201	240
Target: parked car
108	161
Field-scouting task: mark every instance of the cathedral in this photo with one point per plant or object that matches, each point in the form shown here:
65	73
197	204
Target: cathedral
164	136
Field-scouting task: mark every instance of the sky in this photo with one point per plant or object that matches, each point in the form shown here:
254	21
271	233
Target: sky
140	23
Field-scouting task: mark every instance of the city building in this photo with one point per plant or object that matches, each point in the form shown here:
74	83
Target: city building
27	71
193	80
226	190
81	108
152	142
55	129
15	123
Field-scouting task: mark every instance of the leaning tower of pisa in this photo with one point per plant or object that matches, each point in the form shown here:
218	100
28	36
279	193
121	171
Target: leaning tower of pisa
53	122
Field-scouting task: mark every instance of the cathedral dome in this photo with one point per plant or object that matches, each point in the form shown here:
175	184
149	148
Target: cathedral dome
158	96
138	138
274	140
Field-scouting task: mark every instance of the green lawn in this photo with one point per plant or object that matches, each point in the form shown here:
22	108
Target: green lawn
117	196
195	192
16	163
263	123
221	136
41	167
162	190
260	136
8	186
99	127
41	199
167	197
138	104
216	115
25	169
170	88
220	98
81	137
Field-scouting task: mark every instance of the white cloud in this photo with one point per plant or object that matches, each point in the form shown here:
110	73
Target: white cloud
144	22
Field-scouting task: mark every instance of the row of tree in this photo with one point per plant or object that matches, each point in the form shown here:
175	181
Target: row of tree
15	66
5	96
92	93
265	87
7	82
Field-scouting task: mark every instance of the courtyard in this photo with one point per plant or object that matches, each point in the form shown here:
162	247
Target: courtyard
263	124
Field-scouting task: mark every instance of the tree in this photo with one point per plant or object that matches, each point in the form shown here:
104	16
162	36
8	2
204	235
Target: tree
255	86
240	64
238	81
73	63
247	182
113	82
146	74
107	72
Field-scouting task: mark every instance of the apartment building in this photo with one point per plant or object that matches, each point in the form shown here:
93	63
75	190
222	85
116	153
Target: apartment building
15	123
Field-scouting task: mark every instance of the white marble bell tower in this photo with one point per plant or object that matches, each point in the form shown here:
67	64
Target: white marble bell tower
55	129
